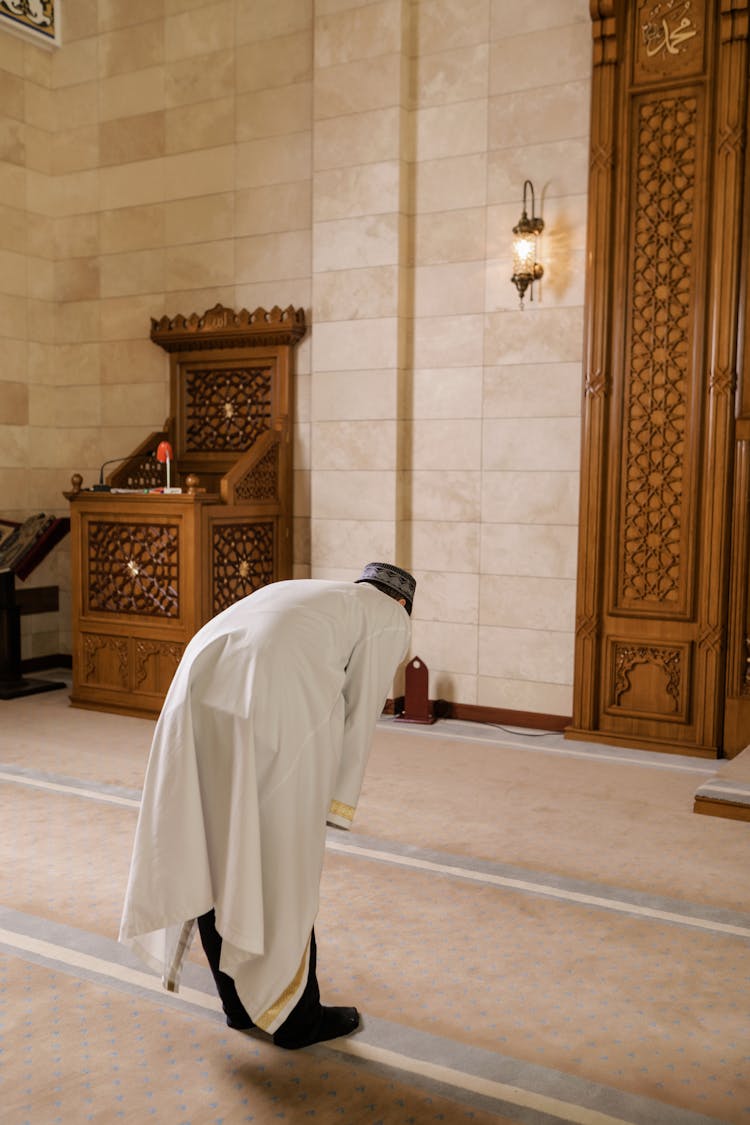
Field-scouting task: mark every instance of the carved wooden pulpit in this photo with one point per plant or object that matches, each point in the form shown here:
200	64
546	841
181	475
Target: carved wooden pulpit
149	567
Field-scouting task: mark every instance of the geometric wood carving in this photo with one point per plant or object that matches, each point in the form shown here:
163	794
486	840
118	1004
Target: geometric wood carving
660	694
158	661
656	397
105	660
226	410
262	482
243	560
133	568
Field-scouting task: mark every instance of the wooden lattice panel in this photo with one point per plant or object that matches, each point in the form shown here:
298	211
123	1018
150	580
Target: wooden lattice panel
226	410
242	555
656	401
133	568
262	482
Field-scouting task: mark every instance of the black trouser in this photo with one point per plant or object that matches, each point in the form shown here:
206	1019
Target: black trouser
302	1016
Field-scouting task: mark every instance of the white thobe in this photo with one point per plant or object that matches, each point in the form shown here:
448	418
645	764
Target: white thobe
264	735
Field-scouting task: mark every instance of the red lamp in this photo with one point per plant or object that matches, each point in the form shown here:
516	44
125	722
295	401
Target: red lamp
164	454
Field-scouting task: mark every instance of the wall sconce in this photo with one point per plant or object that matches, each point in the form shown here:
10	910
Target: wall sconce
526	269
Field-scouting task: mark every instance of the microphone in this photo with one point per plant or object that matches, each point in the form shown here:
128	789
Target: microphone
101	486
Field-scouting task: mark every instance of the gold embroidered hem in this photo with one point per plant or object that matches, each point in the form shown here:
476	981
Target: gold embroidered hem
266	1020
338	808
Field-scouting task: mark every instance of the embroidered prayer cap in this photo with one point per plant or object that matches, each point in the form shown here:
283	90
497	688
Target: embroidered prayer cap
392	579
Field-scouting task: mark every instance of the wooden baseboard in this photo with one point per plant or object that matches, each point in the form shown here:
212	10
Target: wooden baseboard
491	716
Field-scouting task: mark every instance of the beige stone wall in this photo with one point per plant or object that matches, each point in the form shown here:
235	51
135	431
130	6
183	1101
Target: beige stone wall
364	160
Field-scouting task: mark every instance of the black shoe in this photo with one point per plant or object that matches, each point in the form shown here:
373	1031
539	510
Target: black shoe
331	1023
240	1023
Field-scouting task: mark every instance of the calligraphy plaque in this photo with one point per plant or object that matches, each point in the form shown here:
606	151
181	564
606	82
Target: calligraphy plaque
38	20
669	37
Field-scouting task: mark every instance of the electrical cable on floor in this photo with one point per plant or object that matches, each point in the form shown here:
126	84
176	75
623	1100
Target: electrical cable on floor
523	734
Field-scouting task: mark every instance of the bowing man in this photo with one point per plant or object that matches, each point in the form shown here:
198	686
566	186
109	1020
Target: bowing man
263	738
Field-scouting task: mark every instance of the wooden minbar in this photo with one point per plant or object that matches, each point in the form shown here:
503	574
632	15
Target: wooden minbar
150	567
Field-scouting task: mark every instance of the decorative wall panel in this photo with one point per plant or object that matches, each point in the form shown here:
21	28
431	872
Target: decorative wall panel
226	409
663	596
38	20
243	555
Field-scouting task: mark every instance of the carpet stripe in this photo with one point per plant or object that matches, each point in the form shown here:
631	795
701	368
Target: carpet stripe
533	1104
402	858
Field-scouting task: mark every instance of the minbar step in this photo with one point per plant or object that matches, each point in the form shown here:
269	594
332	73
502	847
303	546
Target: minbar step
727	794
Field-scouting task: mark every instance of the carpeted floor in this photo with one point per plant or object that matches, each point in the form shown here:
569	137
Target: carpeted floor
536	931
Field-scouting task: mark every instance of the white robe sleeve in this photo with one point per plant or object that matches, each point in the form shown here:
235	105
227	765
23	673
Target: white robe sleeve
369	675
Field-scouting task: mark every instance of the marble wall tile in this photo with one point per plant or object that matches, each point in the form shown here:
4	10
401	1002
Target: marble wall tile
126	318
524	602
449	289
446	443
126	50
77	279
455	75
267	257
14	446
455	129
17	98
557	336
516	17
76	321
13	141
13	182
51	447
445	24
530	497
366	189
75	236
354	294
346	544
129	94
529	550
185	301
13	228
15	316
358	138
125	139
442	596
13	274
14	400
451	184
353	494
358	33
114	14
367	446
533	390
525	695
190	81
134	361
566	52
445	494
129	404
448	341
66	365
361	345
273	160
189	174
295	291
276	62
275	112
346	244
445	645
537	655
445	545
352	395
559	111
207	125
356	87
273	208
131	228
64	406
199	31
256	20
207	217
14	357
139	271
199	264
132	185
450	392
77	62
450	236
546	444
563	163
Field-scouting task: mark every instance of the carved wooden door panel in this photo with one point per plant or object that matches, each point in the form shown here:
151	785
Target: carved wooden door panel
662	319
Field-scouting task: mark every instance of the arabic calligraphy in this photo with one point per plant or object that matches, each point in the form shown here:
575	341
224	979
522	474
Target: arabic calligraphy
669	26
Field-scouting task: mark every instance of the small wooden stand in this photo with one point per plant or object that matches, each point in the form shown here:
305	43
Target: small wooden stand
417	705
21	563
